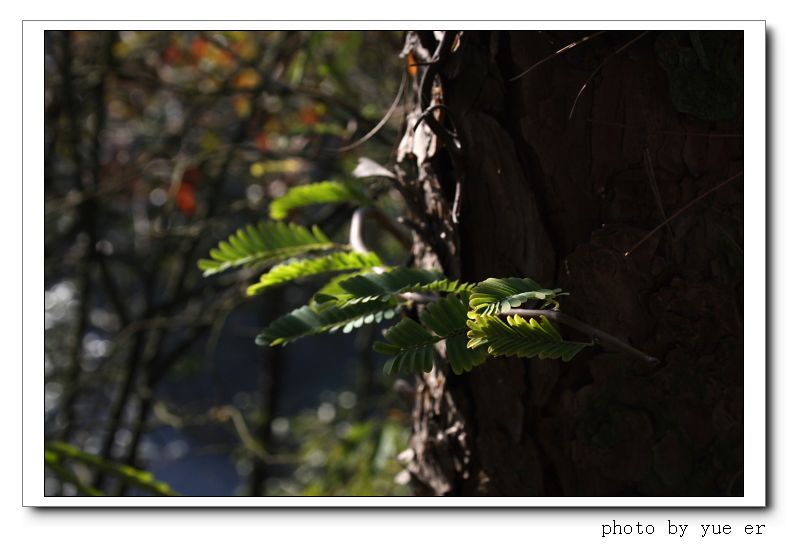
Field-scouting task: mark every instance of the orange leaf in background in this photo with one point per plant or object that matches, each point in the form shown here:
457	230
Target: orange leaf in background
261	142
308	116
224	57
413	70
186	200
199	48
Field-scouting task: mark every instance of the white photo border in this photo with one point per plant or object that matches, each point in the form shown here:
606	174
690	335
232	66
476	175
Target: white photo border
755	330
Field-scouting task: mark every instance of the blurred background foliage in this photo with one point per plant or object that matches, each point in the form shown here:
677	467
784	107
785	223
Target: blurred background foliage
158	144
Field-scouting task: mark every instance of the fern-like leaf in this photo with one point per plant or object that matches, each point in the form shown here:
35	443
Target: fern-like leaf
382	286
410	346
308	320
410	343
450	286
447	319
317	193
521	337
331	291
300	268
265	243
495	296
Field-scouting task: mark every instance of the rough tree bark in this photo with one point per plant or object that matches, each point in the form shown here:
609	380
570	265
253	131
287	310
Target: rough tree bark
562	200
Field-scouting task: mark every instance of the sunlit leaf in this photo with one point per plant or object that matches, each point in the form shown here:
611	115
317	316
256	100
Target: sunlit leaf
317	193
265	243
300	268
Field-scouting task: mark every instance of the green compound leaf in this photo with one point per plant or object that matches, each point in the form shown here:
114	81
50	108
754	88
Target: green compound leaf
300	268
382	286
446	286
265	243
317	193
521	337
410	344
447	318
334	290
308	320
494	296
331	291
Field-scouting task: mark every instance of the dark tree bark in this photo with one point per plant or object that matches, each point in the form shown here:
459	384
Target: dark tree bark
562	200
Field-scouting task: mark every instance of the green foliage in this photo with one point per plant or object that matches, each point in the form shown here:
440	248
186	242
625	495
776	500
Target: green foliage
521	337
317	193
329	317
411	345
300	268
461	316
444	286
446	318
382	286
266	243
332	291
495	296
56	454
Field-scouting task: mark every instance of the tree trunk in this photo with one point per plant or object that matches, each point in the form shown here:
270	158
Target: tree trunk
562	200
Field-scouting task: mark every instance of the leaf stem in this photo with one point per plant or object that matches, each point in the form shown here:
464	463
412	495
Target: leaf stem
604	338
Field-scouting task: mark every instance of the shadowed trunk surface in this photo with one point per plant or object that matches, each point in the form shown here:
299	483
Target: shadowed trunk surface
562	200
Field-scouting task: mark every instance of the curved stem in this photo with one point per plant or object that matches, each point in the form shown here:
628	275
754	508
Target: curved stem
604	338
357	228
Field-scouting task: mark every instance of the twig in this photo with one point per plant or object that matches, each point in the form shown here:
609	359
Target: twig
680	211
604	338
372	132
557	53
357	228
445	134
597	69
253	445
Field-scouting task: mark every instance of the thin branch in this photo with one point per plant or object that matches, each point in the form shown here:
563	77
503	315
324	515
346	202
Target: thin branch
372	132
682	210
252	444
598	68
604	338
357	228
557	53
